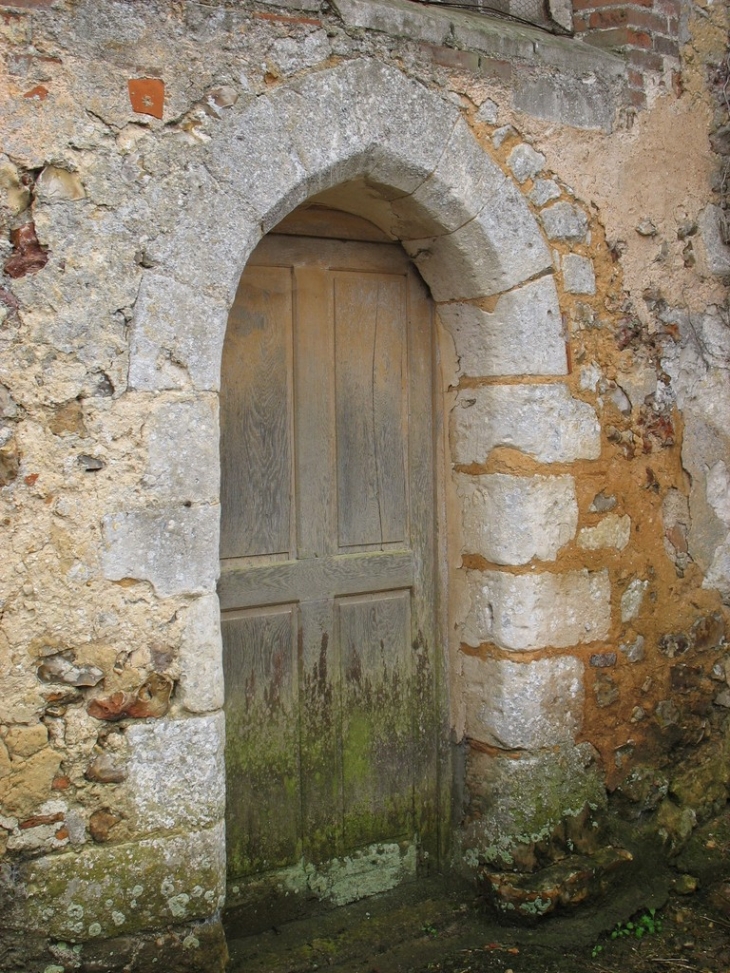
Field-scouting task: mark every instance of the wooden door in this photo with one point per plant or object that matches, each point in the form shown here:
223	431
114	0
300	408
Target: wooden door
328	590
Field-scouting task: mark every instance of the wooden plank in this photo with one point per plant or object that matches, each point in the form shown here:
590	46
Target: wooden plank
314	411
255	417
365	258
369	403
321	753
288	581
378	723
262	749
322	222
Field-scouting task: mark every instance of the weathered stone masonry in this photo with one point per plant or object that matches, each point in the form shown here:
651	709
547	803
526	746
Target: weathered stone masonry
565	211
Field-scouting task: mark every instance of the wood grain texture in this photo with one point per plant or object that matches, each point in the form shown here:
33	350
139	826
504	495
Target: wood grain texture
331	387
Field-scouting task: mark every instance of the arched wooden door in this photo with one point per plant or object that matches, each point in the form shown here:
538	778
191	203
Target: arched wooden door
328	560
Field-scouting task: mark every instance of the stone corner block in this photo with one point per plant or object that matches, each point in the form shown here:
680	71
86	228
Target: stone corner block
534	611
174	548
177	337
107	891
175	773
513	519
523	705
182	448
523	336
541	420
201	669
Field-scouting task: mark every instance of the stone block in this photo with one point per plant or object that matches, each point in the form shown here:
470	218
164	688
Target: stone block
523	335
523	705
500	248
534	611
715	252
175	774
543	191
543	421
521	801
513	519
112	890
632	598
525	162
174	548
565	222
457	188
182	448
611	531
579	276
177	337
588	102
201	670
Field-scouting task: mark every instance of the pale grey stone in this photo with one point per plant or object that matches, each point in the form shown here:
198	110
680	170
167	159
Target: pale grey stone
632	598
109	890
561	12
634	651
182	445
522	800
590	101
523	705
501	134
292	55
455	191
533	611
501	247
639	383
715	251
201	652
488	112
718	575
565	222
541	420
523	336
177	337
543	191
513	519
175	773
174	548
579	276
525	162
612	531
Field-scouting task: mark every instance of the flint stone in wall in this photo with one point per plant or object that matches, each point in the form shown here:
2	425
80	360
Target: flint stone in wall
525	612
512	519
174	548
175	774
541	420
177	337
501	247
611	531
523	706
523	800
107	891
523	336
201	669
525	162
564	222
182	446
579	276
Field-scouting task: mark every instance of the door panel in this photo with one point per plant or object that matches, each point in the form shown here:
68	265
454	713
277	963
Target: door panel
328	556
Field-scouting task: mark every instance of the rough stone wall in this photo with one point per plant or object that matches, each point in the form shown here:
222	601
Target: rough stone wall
584	311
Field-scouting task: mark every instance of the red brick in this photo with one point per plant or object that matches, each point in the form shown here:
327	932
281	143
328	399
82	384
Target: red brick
286	18
636	79
580	24
450	57
637	98
649	20
666	45
602	4
613	17
620	37
645	61
490	67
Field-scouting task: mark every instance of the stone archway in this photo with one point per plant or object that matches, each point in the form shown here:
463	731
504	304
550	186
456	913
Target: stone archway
425	180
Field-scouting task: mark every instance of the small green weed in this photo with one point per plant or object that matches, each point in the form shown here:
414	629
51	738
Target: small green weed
648	924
